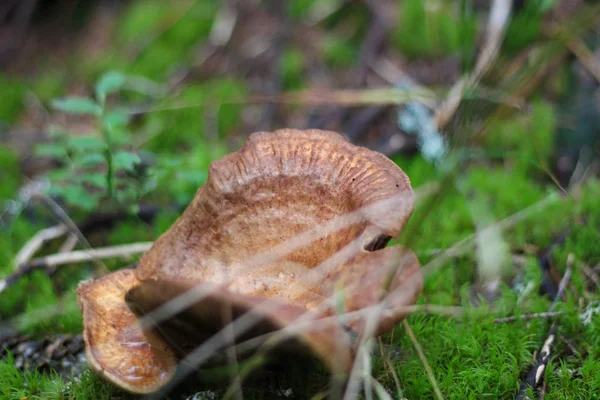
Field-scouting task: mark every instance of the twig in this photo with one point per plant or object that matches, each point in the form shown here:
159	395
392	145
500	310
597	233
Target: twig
591	275
37	241
585	56
535	375
69	243
563	282
548	285
570	346
96	221
528	317
54	260
419	351
388	366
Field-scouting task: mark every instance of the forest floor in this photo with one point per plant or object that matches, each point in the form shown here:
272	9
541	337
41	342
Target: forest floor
507	219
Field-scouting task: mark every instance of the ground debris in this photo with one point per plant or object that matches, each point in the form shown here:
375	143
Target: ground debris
62	353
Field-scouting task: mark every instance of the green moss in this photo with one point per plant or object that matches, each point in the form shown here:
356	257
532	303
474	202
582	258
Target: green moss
525	140
17	385
508	193
439	225
419	170
469	358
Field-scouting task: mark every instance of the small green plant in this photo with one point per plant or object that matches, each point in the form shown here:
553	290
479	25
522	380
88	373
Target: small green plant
95	167
104	167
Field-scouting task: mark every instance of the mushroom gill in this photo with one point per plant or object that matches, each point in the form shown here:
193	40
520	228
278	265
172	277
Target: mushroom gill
287	234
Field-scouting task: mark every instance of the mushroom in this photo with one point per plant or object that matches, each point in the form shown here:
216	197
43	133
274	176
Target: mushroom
287	236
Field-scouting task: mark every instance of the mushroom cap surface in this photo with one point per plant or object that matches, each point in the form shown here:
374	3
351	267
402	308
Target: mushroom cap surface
287	233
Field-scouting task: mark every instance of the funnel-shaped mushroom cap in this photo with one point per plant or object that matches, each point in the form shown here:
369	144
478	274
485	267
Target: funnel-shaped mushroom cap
286	234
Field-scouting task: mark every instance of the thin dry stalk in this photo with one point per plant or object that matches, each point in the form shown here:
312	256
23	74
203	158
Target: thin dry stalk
497	22
528	317
69	244
390	368
60	214
386	96
563	282
591	275
419	351
464	245
587	58
570	346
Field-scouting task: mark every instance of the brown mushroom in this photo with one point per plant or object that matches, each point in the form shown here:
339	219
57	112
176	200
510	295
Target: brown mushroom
288	233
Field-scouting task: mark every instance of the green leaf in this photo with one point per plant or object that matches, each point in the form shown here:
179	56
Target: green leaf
86	143
50	150
78	196
94	179
57	175
90	159
126	160
77	105
116	118
110	82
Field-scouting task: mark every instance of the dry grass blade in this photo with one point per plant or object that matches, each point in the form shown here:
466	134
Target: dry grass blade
587	58
563	282
385	96
466	244
419	350
390	368
380	390
497	22
527	317
364	348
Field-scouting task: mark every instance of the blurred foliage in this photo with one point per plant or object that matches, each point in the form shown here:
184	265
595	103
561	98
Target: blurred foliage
435	28
292	68
527	139
13	93
196	114
9	173
164	33
525	26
